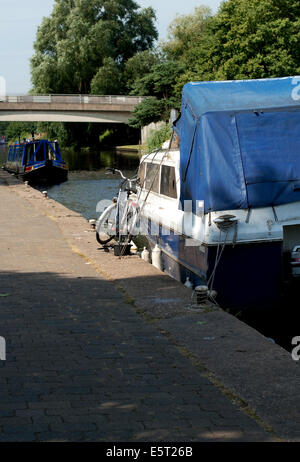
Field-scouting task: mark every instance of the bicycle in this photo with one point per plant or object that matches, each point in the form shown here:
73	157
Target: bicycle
119	219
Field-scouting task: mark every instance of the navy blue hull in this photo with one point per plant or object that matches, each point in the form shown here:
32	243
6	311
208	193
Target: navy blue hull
248	276
48	175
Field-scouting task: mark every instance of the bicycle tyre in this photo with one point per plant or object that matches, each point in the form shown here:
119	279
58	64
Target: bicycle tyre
101	220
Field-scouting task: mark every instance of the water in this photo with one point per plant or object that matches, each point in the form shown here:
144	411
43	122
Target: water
84	190
88	182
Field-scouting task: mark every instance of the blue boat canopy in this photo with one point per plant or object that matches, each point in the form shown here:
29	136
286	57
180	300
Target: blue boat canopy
240	143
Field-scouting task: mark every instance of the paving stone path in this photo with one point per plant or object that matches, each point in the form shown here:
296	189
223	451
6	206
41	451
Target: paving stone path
81	364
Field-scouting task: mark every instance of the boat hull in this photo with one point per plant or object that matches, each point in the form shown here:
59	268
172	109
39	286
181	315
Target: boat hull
49	174
248	276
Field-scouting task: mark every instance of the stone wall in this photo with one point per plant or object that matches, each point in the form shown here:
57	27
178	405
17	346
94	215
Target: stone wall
145	132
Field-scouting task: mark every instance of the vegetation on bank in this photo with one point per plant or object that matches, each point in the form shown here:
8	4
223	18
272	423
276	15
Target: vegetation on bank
157	137
110	47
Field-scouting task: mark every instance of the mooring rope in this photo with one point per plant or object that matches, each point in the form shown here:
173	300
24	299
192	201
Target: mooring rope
225	225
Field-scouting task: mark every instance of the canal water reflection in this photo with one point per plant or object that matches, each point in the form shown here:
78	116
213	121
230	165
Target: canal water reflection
88	182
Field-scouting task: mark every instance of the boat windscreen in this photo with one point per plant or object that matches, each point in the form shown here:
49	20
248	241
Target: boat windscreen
39	153
51	153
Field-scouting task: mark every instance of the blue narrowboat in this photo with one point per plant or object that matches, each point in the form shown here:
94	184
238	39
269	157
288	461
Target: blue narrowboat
37	161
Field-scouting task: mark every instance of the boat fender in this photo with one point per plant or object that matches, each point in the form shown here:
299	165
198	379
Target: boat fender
92	224
145	255
133	246
188	283
156	258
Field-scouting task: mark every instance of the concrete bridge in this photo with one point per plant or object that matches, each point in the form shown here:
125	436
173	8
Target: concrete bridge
67	108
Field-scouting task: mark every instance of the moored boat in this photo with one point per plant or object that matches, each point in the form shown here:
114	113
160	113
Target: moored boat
224	209
37	161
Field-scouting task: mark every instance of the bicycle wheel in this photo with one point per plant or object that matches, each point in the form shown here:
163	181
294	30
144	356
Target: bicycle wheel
106	225
128	222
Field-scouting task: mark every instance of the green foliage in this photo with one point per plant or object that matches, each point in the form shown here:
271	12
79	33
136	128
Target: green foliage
81	37
19	130
106	46
54	131
149	110
157	137
186	33
108	80
84	47
256	39
3	128
140	65
104	137
245	39
160	82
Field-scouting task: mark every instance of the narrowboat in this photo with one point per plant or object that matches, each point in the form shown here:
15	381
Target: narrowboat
223	207
37	161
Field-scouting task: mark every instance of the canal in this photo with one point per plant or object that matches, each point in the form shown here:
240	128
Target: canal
88	183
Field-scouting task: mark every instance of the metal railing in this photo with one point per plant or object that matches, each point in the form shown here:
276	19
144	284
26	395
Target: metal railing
75	99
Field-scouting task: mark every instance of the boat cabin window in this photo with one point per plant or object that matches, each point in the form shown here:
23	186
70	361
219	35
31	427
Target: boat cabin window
28	154
152	177
168	182
20	153
51	154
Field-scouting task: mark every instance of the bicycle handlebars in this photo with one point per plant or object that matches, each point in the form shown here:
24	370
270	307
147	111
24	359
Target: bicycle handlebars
115	170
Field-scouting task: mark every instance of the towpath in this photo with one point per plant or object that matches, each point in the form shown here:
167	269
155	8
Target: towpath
89	360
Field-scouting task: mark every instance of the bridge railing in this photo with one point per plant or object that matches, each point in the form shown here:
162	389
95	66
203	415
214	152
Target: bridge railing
75	99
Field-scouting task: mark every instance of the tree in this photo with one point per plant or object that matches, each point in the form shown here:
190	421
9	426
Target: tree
139	65
255	39
186	33
81	36
149	110
164	80
108	80
159	85
19	130
247	39
83	47
3	128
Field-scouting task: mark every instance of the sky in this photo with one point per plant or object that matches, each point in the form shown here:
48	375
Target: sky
19	20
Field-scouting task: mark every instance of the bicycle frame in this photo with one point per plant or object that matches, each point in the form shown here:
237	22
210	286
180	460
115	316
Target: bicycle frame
123	204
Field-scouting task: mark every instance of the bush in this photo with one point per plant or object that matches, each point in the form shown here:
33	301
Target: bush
157	137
